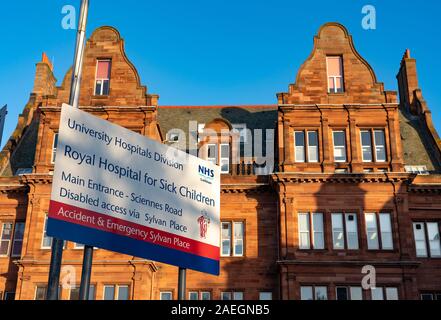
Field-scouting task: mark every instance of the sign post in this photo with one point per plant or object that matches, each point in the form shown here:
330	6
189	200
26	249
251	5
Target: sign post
121	191
57	243
182	284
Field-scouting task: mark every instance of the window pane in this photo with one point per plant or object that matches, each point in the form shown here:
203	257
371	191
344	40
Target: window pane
18	239
386	231
313	146
109	293
205	296
103	69
335	66
238	238
342	293
337	231
47	241
98	87
193	296
40	293
366	142
304	231
420	239
434	239
321	293
356	293
212	152
266	296
377	294
427	297
226	239
306	293
166	296
5	238
300	146
225	158
391	294
92	292
339	146
226	296
331	84
225	151
319	238
339	85
380	145
75	294
238	296
371	231
123	293
352	231
106	88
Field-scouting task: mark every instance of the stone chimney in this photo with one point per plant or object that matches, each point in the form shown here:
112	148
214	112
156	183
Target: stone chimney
45	81
408	83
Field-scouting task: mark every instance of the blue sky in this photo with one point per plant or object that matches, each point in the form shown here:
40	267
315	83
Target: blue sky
203	52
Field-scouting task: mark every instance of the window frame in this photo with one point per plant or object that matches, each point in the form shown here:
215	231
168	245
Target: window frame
14	240
380	232
344	216
427	242
232	239
335	147
165	292
10	240
314	291
116	288
306	148
334	78
311	231
349	292
102	79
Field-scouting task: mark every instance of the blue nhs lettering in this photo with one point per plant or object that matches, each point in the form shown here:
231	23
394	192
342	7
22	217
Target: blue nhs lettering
206	172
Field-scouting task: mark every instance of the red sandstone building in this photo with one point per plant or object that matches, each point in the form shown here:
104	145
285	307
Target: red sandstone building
355	183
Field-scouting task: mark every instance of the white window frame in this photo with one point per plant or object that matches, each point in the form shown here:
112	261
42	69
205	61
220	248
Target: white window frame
223	159
44	235
312	147
3	224
370	231
349	292
380	147
342	231
242	239
344	147
429	240
369	132
116	288
265	296
296	147
347	232
315	231
334	78
161	293
216	153
383	232
303	232
229	239
102	79
232	240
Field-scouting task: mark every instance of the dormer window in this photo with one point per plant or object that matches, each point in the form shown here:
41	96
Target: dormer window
335	74
102	81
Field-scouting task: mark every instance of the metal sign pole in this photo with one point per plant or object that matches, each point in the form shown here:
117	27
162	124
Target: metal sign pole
57	244
182	284
86	274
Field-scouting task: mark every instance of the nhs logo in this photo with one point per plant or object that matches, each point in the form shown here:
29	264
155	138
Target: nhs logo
207	175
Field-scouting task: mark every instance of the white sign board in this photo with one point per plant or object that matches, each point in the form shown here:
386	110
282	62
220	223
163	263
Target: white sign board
117	190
